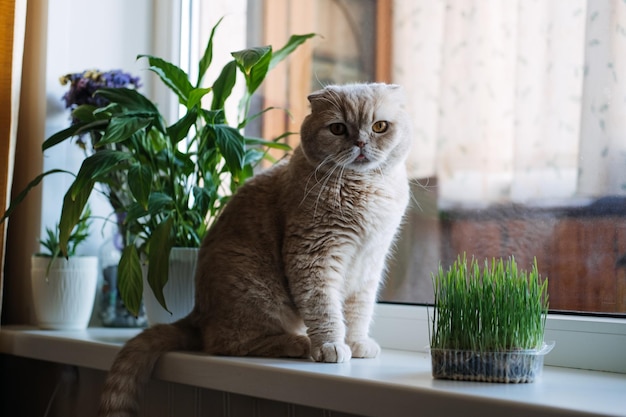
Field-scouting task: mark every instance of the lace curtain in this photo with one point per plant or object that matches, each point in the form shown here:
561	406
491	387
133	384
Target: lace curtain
515	101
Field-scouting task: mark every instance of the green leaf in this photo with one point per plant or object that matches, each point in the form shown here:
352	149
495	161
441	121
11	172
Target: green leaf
106	112
73	205
96	166
252	157
84	113
203	199
214	117
140	183
130	99
249	58
174	77
179	130
207	57
247	120
254	64
232	146
157	141
223	86
160	245
195	96
293	42
159	203
250	141
134	212
246	173
22	195
121	128
73	130
130	281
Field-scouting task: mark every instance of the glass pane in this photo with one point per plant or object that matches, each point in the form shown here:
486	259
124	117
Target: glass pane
581	249
347	52
520	117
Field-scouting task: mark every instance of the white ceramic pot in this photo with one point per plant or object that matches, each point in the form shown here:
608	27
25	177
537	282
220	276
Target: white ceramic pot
64	295
179	291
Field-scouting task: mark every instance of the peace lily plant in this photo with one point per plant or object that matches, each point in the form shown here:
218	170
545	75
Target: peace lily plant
50	242
179	175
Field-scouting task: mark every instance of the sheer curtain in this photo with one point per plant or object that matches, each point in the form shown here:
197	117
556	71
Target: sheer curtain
12	29
515	101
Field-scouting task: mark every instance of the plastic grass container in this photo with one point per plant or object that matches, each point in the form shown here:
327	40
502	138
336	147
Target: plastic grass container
515	366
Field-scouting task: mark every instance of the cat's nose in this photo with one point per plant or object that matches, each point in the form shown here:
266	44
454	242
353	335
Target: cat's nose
360	143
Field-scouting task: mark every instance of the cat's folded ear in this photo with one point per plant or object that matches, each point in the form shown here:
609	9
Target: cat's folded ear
316	97
398	92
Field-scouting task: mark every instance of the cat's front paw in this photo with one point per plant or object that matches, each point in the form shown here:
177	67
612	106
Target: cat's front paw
367	348
331	352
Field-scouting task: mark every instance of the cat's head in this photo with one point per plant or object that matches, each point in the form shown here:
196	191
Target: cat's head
360	127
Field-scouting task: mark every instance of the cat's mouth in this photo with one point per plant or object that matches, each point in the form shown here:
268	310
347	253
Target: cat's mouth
361	158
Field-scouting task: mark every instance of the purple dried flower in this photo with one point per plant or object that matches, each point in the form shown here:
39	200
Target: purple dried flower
84	84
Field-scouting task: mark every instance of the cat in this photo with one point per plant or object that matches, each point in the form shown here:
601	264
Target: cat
292	266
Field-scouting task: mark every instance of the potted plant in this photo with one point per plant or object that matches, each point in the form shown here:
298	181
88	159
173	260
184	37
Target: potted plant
180	174
64	289
81	90
488	323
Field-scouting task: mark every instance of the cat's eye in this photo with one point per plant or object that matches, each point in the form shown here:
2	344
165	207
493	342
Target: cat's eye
380	127
337	129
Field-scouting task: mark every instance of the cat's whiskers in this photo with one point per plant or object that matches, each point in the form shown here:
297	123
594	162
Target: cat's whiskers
426	187
339	182
415	201
321	182
324	188
313	174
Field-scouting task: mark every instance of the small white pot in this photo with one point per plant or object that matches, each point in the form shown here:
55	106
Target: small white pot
179	291
64	295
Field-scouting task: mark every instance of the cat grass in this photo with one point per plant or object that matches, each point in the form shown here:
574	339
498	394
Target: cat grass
496	307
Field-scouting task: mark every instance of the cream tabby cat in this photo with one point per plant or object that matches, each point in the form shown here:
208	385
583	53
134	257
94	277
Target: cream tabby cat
292	266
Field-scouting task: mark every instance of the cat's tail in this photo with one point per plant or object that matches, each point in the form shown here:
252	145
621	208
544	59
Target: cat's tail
133	365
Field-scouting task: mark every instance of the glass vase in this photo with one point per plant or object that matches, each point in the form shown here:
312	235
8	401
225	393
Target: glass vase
112	310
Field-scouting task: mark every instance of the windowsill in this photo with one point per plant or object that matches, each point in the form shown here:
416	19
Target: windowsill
398	380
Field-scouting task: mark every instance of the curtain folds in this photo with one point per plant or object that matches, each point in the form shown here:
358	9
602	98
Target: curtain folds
515	101
12	29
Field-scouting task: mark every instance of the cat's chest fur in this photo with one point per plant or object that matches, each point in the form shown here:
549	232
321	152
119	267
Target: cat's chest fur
345	216
365	203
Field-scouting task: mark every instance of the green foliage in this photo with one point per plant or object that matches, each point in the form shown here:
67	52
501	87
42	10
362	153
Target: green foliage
497	307
78	235
177	176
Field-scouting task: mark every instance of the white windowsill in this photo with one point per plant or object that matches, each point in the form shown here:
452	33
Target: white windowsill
398	383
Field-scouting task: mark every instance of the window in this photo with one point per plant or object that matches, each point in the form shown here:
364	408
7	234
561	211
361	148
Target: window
561	199
520	150
520	143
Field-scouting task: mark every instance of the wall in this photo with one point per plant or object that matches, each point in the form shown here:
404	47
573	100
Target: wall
70	391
